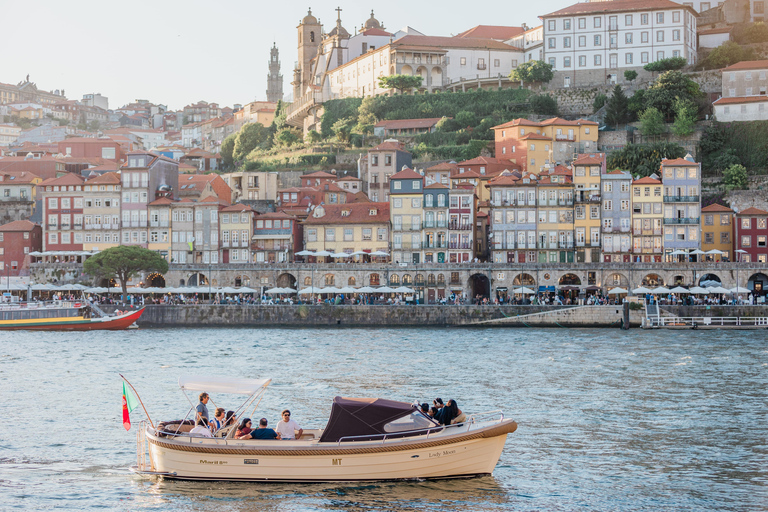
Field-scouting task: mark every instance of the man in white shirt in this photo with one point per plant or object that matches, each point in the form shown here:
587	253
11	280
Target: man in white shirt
287	428
201	429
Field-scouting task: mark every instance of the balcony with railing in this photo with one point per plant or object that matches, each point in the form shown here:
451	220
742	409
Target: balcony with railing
587	198
681	199
158	223
682	220
435	245
407	226
565	202
407	246
428	224
564	137
459	226
481	66
459	245
565	245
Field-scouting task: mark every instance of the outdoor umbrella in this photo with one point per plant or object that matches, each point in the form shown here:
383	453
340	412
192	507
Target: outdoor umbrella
379	253
739	289
679	289
660	290
365	289
245	289
697	290
719	289
323	253
616	291
329	289
641	291
698	251
347	289
305	253
678	252
384	289
288	291
404	289
309	290
524	291
272	291
43	287
714	251
710	283
359	253
340	255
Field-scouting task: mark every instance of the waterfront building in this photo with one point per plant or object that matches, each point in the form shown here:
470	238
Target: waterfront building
236	225
252	185
17	240
384	160
435	226
18	192
317	179
505	226
406	196
62	200
682	205
484	168
744	92
348	228
751	235
587	171
350	184
277	236
616	213
542	145
462	209
196	186
717	231
160	226
101	212
206	238
78	147
594	43
182	230
555	216
647	218
440	173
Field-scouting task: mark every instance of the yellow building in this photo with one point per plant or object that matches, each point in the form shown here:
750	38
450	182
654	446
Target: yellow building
647	218
236	225
555	216
348	228
587	170
101	212
717	231
406	208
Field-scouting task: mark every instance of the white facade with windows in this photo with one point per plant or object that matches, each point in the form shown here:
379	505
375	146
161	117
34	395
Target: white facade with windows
594	43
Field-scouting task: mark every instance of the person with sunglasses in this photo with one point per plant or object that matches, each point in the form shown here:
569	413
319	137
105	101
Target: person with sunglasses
287	427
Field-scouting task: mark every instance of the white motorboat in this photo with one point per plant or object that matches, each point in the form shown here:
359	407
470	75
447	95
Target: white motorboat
365	439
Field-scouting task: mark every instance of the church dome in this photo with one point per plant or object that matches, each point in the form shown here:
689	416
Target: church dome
309	19
372	22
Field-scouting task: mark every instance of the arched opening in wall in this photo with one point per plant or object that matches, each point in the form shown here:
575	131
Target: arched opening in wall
441	280
569	280
197	279
392	70
330	280
238	281
308	281
678	280
181	282
245	280
437	77
407	280
406	70
431	280
479	285
424	74
286	280
351	281
214	282
652	281
374	280
394	280
758	283
156	280
617	280
710	280
419	281
524	280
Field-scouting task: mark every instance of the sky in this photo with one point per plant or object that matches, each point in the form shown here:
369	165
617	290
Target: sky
175	53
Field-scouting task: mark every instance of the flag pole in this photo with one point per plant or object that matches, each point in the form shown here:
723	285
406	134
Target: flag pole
137	396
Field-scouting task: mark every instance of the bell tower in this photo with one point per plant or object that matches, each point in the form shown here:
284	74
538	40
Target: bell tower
310	37
274	78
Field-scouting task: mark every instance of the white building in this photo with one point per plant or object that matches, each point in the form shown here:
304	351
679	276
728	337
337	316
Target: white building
593	43
531	42
96	100
745	92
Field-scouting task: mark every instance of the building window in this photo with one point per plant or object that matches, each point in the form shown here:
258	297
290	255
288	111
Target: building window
628	58
643	19
552	62
566	42
628	38
659	17
566	24
675	35
582	60
463	61
628	20
676	17
551	42
597	21
566	62
746	241
582	23
660	55
598	60
659	36
552	25
644	37
582	41
598	41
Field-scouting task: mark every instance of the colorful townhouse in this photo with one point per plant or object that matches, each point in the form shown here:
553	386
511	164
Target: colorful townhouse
462	210
62	200
385	160
101	212
406	196
161	226
647	218
277	236
751	235
236	226
555	216
681	178
587	171
348	228
17	240
616	213
717	231
435	223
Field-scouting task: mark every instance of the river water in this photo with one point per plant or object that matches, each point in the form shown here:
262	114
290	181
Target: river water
608	419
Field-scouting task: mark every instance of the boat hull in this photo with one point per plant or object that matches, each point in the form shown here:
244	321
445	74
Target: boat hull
470	453
77	323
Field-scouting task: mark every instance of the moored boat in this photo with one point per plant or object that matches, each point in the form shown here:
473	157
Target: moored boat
365	439
62	316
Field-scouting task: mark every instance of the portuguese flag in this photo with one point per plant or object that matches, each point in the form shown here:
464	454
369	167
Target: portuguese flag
129	403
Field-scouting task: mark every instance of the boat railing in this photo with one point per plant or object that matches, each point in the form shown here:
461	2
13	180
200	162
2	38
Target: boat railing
67	304
708	321
474	418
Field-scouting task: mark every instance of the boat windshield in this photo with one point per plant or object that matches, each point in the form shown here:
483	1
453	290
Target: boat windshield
414	421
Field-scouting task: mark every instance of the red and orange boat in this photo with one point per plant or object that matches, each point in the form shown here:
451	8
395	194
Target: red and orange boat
62	316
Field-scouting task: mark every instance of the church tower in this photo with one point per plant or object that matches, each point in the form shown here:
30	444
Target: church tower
310	37
274	78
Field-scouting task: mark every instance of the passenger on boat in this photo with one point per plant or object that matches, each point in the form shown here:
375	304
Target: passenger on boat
201	429
230	419
202	409
425	408
244	429
218	419
438	403
433	411
286	427
263	432
451	414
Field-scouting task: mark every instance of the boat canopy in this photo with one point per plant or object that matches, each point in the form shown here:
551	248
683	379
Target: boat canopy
223	384
362	417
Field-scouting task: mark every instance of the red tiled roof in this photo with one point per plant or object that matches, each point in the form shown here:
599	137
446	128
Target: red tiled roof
716	208
18	177
387	145
319	174
406	124
590	159
646	181
276	215
753	211
747	65
445	166
516	122
375	32
453	42
534	136
349	178
466	174
108	178
617	6
67	179
239	207
359	213
406	174
161	201
18	225
492	32
679	162
503	180
740	99
436	185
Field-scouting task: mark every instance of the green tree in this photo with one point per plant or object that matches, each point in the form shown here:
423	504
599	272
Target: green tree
644	159
735	178
226	150
636	104
685	117
599	102
278	123
617	112
667	87
544	104
532	71
287	137
466	118
400	82
652	122
666	64
630	75
250	137
93	126
756	33
343	128
312	137
124	262
726	54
